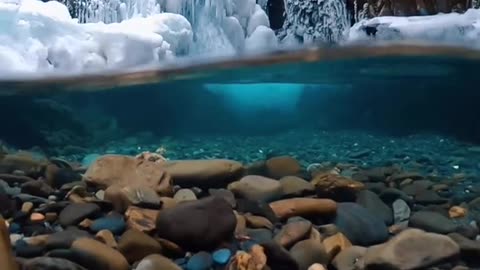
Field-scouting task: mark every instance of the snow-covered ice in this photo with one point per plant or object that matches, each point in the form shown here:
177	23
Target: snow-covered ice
41	37
442	29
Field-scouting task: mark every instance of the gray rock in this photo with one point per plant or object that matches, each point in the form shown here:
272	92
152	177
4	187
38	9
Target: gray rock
389	195
48	263
198	225
359	225
5	188
401	211
225	194
64	239
469	249
76	212
432	222
411	249
374	204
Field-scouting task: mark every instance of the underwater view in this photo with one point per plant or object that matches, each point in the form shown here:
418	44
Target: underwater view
239	135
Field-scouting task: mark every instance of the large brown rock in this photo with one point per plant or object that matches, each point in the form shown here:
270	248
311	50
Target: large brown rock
6	256
303	207
109	257
411	249
257	188
203	173
198	225
126	171
278	167
136	245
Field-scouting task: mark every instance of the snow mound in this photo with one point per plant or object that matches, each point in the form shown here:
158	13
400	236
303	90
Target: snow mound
38	36
442	29
262	39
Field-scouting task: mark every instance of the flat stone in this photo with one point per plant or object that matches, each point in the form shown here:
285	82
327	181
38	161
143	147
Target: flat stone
128	171
74	213
287	208
209	173
411	249
257	188
432	222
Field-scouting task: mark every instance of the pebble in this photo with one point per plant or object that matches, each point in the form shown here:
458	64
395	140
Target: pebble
116	224
184	195
37	218
27	207
221	256
200	261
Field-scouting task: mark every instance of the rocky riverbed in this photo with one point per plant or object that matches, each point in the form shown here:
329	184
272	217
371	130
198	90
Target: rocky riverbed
343	202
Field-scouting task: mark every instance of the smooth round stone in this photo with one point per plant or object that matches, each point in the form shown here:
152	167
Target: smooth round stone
200	261
222	256
115	224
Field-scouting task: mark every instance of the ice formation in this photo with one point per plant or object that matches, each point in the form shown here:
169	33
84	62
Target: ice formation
42	37
446	29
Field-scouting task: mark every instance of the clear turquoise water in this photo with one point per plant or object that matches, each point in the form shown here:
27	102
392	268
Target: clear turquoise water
318	104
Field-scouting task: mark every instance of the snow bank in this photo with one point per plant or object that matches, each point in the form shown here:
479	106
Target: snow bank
39	36
445	29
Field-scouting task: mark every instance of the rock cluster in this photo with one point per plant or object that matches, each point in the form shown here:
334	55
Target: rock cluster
127	212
